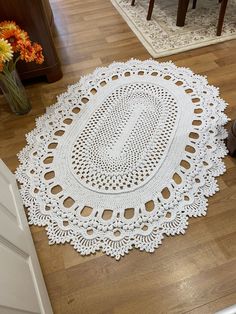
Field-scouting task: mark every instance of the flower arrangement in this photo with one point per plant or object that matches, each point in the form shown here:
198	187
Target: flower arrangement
15	45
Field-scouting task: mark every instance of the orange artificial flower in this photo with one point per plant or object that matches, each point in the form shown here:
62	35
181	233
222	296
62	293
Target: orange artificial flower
39	58
24	35
27	52
14	42
8	25
13	36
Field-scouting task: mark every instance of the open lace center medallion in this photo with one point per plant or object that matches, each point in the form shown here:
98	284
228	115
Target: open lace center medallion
124	157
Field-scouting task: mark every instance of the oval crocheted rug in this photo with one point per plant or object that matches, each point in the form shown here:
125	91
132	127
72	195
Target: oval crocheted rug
124	157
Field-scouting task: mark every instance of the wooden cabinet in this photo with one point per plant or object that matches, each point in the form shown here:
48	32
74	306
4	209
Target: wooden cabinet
35	17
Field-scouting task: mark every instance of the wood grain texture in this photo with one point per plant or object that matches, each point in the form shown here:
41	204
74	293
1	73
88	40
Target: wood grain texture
194	273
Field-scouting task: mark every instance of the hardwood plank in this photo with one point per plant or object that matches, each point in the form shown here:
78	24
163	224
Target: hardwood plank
215	305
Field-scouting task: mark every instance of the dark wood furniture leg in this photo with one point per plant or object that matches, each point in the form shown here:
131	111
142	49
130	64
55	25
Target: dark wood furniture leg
221	17
150	9
181	13
231	140
194	4
54	74
133	2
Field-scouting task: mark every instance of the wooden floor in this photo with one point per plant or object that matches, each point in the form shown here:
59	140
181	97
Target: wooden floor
194	273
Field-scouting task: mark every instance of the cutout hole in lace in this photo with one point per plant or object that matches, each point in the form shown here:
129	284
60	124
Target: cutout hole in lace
127	74
149	206
190	149
188	91
48	160
84	100
56	189
186	198
116	233
59	133
195	100
52	145
65	223
103	83
185	164
90	231
86	211
179	83
129	213
168	215
68	202
198	110
67	121
197	122
115	77
154	73
36	190
145	228
141	73
49	175
93	91
194	135
107	214
177	178
76	110
165	193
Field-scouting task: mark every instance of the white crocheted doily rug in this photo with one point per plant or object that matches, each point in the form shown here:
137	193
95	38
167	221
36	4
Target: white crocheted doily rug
124	157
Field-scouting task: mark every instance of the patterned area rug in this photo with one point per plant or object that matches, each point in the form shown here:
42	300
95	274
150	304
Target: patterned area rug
161	36
124	157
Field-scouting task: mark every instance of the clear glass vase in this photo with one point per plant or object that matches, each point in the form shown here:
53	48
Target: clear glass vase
14	92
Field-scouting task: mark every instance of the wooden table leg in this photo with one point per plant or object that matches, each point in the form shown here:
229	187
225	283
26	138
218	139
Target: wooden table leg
221	16
181	13
133	2
150	8
231	140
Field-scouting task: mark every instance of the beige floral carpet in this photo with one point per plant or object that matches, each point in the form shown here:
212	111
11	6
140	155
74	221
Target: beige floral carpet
161	36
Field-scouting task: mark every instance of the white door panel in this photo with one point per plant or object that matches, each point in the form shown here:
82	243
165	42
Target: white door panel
19	283
22	288
6	194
